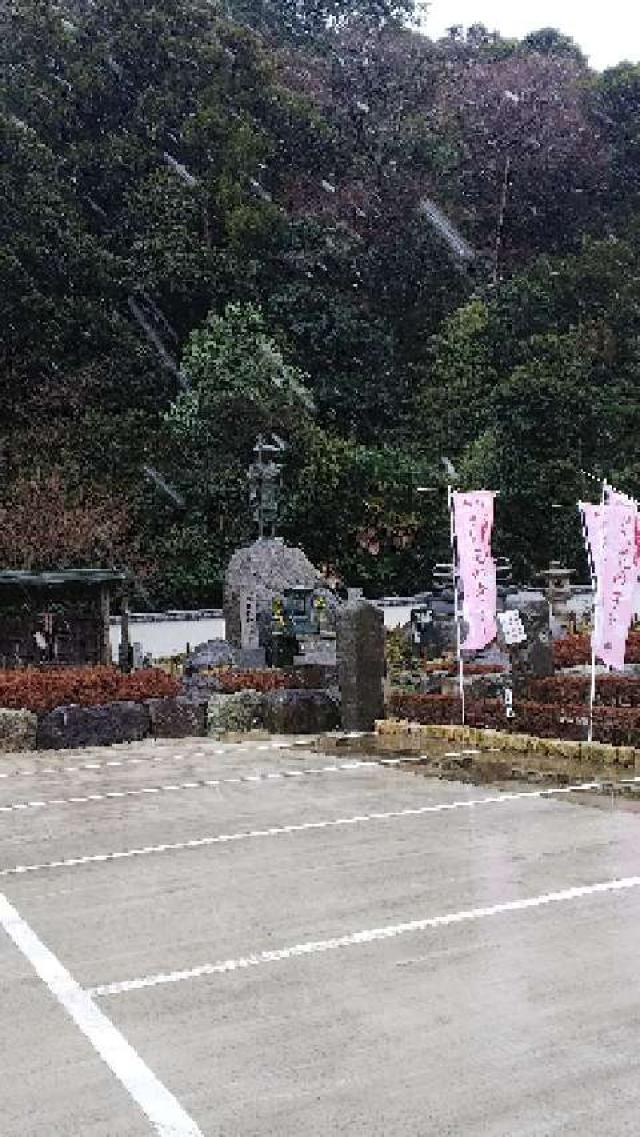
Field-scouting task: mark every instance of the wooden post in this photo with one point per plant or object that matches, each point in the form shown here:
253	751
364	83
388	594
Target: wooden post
105	613
123	655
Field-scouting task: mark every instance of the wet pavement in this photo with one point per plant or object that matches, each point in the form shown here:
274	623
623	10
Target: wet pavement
261	938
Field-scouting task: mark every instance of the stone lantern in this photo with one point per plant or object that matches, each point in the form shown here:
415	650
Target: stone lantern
558	591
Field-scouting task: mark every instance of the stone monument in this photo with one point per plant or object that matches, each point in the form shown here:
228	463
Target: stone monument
360	658
263	572
532	658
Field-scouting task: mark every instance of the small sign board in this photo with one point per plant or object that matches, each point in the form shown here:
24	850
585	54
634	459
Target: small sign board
511	626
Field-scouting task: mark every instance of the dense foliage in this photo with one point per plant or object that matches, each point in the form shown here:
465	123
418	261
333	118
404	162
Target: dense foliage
218	221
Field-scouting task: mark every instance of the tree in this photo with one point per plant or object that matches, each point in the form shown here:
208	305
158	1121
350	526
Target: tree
616	109
240	386
550	41
45	524
532	170
453	403
356	511
310	21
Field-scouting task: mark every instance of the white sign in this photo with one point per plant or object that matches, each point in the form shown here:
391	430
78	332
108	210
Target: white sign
512	627
508	702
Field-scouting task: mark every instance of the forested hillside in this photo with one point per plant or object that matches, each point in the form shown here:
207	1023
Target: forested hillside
219	220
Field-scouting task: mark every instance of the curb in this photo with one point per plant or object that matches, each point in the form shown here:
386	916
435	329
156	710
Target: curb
402	733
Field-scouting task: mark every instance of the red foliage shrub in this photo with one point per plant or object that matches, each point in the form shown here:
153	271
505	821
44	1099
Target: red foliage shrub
571	651
36	689
619	726
429	666
611	690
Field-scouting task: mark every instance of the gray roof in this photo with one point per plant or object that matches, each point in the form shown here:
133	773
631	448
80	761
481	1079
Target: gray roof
88	576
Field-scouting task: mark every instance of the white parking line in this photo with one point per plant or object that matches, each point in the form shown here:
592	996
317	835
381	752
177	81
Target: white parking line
160	1106
370	935
307	826
202	783
157	757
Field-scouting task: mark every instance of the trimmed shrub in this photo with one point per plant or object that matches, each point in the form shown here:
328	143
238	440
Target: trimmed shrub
573	651
42	689
611	690
619	726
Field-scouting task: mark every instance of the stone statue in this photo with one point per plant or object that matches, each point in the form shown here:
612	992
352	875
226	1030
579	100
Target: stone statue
264	488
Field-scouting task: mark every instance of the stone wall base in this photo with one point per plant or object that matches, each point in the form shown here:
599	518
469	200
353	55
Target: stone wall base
548	754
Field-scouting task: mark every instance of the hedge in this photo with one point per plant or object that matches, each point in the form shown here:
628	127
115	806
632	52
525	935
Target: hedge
616	725
451	668
572	651
611	690
40	690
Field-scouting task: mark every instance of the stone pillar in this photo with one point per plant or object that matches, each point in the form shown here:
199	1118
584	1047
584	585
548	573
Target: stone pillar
360	660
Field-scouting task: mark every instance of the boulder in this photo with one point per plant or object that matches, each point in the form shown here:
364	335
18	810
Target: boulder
17	730
300	712
75	726
265	569
177	718
239	712
213	653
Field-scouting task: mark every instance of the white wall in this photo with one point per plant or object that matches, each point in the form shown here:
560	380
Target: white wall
168	637
163	638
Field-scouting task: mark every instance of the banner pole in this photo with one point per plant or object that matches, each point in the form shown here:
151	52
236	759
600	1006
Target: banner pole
596	596
456	605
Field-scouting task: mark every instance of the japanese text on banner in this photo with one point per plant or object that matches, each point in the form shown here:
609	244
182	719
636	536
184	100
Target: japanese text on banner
473	522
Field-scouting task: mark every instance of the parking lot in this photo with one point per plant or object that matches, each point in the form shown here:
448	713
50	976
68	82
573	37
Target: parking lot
260	939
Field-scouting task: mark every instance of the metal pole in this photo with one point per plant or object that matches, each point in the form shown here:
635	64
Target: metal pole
455	600
596	605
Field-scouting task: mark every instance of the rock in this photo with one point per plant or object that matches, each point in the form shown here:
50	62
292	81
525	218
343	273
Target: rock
213	653
264	570
177	718
17	730
242	711
360	660
300	712
75	726
249	657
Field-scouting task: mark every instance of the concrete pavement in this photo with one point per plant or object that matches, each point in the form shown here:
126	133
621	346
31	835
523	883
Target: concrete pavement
199	938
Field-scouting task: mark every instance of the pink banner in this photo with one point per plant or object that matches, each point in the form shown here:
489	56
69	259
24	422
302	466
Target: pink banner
592	516
611	533
472	525
616	498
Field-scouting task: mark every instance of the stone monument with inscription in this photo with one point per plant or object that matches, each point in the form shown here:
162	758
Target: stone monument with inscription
360	659
531	653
